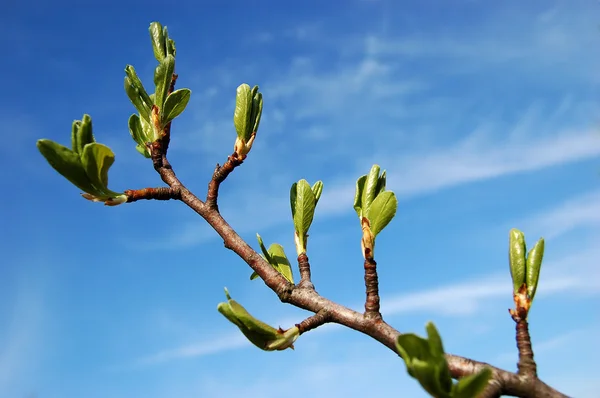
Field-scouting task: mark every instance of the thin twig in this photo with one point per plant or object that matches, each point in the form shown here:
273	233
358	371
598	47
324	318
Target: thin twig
372	286
320	318
526	365
304	267
161	193
219	175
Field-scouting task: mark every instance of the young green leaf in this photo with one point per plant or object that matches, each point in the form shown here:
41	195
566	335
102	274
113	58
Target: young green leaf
259	333
171	47
163	75
265	254
382	211
97	159
66	162
264	249
425	361
242	115
435	341
317	189
281	262
516	258
137	93
303	208
158	41
175	104
473	385
381	183
534	265
429	376
257	106
411	346
81	133
370	190
358	196
135	129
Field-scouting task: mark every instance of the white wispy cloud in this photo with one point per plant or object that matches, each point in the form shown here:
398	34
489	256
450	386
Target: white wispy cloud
231	341
476	158
547	345
579	212
545	42
322	112
21	344
573	274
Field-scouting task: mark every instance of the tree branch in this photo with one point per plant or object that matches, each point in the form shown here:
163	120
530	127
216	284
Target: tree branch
526	365
219	175
309	299
320	318
161	193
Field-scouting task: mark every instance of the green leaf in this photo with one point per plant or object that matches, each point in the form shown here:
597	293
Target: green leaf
534	265
169	43
303	208
137	93
381	183
171	47
135	129
317	189
276	257
85	133
411	346
281	262
81	134
370	190
97	159
242	115
257	106
158	41
516	258
382	211
175	104
163	75
147	130
435	341
358	195
259	333
428	375
66	162
264	249
266	255
473	385
425	361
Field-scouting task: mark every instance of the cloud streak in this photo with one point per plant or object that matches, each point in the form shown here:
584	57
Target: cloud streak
463	299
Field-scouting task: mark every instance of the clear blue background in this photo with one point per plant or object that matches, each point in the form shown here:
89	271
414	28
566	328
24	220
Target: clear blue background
485	115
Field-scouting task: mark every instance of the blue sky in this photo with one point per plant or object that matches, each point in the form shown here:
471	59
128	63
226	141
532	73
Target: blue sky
484	115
